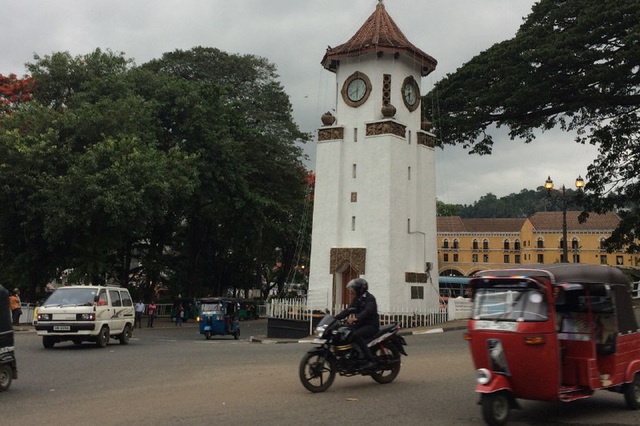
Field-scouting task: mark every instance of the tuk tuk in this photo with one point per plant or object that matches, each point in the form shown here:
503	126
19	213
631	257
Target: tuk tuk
552	333
219	317
8	368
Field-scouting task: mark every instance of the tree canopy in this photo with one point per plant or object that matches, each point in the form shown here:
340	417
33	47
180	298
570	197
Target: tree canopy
573	65
183	171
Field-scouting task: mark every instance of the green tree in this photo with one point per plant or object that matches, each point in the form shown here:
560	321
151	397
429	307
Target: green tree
573	65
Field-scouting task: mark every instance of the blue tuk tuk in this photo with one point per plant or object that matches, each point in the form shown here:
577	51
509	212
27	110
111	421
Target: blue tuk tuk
8	369
219	317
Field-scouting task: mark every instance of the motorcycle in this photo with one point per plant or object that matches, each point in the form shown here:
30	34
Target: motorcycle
337	354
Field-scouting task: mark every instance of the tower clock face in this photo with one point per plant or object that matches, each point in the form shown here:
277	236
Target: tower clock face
356	89
410	93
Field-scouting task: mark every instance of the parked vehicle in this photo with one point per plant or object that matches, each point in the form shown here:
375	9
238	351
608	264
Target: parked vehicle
86	313
219	317
8	368
552	333
335	353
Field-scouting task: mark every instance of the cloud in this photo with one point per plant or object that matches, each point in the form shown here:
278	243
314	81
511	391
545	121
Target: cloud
293	34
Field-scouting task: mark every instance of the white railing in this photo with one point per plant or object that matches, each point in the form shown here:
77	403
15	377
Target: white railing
296	309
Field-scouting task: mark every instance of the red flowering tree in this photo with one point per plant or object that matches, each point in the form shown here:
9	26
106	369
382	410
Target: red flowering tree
13	91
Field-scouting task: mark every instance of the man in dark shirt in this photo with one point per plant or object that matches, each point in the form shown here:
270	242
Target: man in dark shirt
362	315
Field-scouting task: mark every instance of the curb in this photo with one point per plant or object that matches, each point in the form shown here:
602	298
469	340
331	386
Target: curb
271	341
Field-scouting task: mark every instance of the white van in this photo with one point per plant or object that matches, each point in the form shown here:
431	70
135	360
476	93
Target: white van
86	313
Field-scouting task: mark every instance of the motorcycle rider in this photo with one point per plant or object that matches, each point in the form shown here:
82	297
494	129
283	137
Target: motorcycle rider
365	321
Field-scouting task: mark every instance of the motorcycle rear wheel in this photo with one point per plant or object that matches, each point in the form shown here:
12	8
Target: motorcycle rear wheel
316	372
388	359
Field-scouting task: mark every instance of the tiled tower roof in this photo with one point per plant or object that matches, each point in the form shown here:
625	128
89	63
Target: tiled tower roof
379	34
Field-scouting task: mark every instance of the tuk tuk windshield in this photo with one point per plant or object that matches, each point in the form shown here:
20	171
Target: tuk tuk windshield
210	307
509	304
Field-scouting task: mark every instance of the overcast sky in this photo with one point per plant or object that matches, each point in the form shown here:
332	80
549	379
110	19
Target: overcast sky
294	34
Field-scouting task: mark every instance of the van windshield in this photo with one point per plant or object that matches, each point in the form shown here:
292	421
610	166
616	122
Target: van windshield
509	304
72	297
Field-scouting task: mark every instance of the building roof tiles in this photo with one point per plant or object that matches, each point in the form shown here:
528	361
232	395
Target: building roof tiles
379	34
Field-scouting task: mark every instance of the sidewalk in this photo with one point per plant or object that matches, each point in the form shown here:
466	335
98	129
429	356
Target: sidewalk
440	328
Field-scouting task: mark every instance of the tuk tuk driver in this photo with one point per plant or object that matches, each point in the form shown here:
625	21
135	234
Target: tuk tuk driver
365	321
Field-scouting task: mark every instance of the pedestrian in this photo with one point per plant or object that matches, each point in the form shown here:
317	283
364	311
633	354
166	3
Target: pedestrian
151	312
139	308
14	304
180	315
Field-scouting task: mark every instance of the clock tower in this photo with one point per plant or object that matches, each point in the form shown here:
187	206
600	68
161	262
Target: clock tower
375	203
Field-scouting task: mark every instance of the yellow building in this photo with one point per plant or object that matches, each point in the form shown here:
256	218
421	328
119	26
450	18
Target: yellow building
466	246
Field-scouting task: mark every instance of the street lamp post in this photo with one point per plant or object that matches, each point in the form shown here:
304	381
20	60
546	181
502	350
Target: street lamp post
548	185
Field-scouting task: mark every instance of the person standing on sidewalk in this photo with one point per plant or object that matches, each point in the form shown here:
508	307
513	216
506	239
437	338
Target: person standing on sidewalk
139	311
14	304
151	312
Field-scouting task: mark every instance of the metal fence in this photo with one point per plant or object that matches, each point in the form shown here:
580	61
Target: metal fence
296	309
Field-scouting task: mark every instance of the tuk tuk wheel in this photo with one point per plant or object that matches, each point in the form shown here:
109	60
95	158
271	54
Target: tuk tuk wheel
495	408
5	377
207	335
632	393
236	335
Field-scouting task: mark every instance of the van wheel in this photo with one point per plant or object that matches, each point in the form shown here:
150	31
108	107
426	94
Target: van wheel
6	375
495	408
207	335
632	393
126	335
103	337
48	342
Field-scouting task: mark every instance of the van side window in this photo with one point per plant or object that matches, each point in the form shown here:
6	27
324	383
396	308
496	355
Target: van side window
102	298
115	298
126	298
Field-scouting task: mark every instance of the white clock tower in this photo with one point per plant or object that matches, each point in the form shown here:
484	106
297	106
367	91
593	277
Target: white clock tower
375	203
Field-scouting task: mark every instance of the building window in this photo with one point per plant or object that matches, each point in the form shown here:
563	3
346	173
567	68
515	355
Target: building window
353	171
475	244
417	292
355	134
354	197
353	223
474	258
574	244
603	259
456	244
506	244
517	245
603	245
445	243
561	243
455	257
540	243
409	173
540	258
506	258
485	258
485	245
576	258
516	258
446	257
409	138
619	260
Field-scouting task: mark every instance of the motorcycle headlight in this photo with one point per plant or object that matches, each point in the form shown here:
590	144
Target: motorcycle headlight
483	376
320	330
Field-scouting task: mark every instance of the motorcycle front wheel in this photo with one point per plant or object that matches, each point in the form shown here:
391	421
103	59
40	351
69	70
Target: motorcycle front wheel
317	372
388	359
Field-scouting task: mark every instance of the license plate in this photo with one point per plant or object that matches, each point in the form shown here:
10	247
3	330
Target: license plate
61	328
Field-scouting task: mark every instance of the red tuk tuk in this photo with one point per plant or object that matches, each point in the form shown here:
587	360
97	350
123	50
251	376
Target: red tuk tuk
552	333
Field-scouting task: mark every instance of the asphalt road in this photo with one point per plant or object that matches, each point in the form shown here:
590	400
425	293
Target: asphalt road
170	375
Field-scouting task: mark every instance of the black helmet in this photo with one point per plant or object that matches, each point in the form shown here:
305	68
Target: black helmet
359	285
